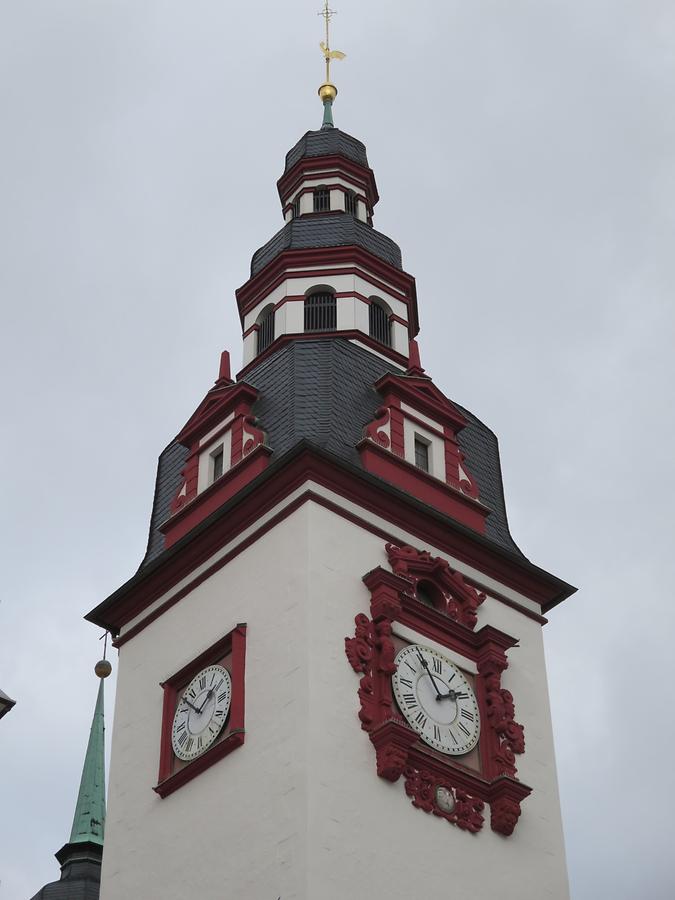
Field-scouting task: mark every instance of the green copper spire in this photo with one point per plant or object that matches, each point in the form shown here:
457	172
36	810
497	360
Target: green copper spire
327	114
89	820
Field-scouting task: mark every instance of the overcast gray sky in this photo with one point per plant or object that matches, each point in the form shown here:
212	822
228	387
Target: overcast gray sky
524	153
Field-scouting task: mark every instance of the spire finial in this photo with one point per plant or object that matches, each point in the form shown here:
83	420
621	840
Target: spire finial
328	91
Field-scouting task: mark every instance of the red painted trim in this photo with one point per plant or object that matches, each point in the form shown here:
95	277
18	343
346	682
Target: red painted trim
321	275
218	403
243	471
331	187
308	496
371	653
422	424
421	394
397	432
307	164
309	463
444	497
351	334
173	775
320	175
256	286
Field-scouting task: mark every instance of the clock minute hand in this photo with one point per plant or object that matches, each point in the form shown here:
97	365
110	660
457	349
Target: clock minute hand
439	696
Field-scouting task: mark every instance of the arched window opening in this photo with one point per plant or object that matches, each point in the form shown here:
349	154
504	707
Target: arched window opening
320	311
295	208
428	594
351	203
321	199
379	322
265	328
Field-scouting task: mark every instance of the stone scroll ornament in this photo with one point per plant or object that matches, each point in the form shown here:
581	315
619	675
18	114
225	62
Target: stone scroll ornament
437	786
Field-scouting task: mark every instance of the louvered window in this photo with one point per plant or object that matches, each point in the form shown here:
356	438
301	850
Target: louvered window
265	329
320	312
351	203
379	324
295	208
421	454
321	199
217	463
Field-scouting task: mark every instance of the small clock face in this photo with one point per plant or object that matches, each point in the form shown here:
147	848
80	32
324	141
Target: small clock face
201	712
436	699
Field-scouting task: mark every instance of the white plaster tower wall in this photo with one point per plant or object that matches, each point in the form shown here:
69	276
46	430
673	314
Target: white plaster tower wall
298	811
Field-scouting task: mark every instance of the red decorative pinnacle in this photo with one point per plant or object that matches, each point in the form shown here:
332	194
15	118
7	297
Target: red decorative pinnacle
224	373
415	366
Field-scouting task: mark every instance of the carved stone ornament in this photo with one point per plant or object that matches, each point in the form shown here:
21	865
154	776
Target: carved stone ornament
443	800
373	430
504	815
461	600
500	710
441	786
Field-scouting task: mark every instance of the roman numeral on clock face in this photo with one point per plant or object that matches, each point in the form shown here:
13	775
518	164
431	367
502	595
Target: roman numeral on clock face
468	715
438	665
462	727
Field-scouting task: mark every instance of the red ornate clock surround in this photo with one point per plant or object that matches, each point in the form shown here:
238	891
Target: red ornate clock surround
229	651
398	750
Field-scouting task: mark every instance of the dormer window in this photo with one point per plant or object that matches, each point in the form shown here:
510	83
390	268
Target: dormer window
320	311
351	203
379	322
321	199
421	453
265	328
217	459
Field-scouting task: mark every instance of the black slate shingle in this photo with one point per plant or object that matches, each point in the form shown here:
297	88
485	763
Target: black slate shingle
322	391
335	230
327	142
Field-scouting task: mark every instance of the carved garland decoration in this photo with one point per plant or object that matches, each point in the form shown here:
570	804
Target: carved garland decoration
435	785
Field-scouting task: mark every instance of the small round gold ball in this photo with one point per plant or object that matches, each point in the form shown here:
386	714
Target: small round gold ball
327	91
103	668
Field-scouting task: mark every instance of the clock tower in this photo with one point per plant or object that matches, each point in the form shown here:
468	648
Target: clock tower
331	670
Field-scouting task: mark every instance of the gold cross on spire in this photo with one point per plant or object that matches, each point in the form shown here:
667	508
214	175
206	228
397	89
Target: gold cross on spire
329	54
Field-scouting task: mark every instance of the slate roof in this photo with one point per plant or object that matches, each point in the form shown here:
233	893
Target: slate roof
333	230
80	880
322	391
327	142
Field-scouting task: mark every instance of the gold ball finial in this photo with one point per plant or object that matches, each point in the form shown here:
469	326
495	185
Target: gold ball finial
327	91
103	668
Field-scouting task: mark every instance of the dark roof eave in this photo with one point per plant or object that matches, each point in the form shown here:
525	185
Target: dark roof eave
564	590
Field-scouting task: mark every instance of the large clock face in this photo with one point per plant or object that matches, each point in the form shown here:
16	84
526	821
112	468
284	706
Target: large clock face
436	699
201	712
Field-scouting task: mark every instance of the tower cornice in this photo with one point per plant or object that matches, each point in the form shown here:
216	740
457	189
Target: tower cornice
305	463
264	281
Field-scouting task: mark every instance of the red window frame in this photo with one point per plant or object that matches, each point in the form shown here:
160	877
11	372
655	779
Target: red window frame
172	774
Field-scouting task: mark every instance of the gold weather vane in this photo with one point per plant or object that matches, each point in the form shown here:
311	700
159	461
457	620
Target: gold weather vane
329	54
328	91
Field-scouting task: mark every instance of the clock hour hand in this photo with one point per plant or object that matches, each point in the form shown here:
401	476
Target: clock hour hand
439	696
191	705
454	695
